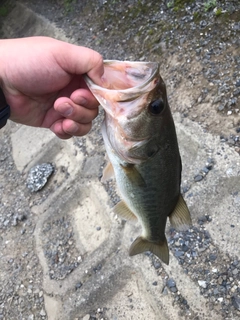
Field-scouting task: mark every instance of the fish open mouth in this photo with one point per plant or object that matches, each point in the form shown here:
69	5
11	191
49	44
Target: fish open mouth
123	75
125	81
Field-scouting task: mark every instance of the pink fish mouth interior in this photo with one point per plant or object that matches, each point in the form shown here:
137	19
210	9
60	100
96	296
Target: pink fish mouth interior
125	84
125	75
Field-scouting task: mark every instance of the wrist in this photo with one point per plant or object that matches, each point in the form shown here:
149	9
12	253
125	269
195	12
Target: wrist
4	110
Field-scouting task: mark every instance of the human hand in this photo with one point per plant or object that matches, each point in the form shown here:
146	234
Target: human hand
42	81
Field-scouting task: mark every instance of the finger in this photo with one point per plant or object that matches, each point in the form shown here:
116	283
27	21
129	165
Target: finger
58	130
79	60
66	128
78	113
85	98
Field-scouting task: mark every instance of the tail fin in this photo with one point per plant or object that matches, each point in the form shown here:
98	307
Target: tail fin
160	249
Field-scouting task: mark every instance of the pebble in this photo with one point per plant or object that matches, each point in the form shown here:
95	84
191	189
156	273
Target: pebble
202	283
165	291
198	178
236	302
156	264
78	285
235	272
43	313
171	283
221	107
38	176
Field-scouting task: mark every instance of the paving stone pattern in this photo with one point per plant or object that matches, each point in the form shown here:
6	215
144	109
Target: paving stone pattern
63	253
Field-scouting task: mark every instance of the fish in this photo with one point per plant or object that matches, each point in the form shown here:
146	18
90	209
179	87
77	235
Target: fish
141	145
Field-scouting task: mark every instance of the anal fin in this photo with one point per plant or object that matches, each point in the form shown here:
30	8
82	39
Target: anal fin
160	249
180	218
124	212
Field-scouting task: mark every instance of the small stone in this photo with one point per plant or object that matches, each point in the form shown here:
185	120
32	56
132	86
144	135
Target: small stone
178	253
165	291
217	99
185	189
156	264
205	170
38	176
212	257
198	178
154	283
185	248
86	317
171	283
235	272
202	220
236	302
97	268
42	313
215	291
221	107
173	289
78	285
202	284
235	263
203	23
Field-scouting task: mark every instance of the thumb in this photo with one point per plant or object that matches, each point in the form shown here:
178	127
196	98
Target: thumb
80	60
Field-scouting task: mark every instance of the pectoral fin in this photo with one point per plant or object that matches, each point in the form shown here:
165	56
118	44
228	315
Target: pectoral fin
108	172
133	175
160	249
124	212
180	218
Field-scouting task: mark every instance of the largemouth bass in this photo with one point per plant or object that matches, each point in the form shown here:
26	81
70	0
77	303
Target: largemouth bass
141	144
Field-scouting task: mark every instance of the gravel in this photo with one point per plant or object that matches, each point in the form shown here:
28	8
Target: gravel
217	276
21	293
197	43
59	247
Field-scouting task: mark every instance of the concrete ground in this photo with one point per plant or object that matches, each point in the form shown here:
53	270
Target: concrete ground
64	255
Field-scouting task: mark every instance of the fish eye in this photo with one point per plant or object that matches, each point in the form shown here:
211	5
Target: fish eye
156	106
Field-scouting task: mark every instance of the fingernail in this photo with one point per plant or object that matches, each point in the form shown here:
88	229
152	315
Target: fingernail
65	109
82	101
74	128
